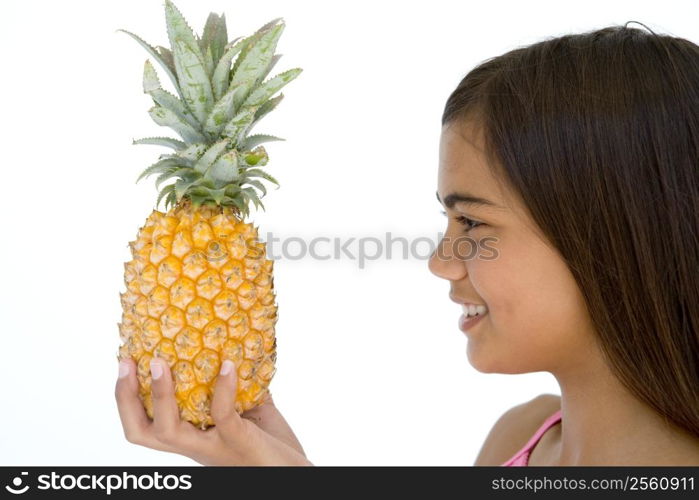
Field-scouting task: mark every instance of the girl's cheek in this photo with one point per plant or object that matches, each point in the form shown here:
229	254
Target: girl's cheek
488	247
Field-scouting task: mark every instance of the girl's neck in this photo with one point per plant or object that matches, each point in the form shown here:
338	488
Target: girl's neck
603	424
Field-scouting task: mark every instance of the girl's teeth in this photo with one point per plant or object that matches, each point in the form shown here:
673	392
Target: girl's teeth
472	310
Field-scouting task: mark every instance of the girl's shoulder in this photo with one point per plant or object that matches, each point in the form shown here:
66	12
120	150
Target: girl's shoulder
514	428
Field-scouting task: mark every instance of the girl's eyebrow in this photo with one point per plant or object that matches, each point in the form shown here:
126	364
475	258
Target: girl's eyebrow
465	198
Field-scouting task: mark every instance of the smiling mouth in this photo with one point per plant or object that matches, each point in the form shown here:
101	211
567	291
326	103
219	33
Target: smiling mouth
472	310
466	322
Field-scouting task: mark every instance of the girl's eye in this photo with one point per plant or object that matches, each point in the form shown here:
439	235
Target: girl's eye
465	221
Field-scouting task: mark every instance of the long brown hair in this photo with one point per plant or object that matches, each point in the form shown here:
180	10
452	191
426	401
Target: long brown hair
598	133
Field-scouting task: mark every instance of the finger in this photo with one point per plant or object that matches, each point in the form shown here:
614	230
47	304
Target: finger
261	412
166	415
268	418
134	419
223	410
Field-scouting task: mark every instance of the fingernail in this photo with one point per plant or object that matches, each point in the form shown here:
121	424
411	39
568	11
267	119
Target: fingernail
226	367
123	369
156	369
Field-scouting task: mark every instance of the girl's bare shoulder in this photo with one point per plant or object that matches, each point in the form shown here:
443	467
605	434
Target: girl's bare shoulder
514	428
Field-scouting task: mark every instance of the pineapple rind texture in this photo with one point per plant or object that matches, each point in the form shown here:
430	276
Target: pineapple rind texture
199	290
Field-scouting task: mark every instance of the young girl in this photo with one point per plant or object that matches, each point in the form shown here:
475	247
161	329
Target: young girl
571	166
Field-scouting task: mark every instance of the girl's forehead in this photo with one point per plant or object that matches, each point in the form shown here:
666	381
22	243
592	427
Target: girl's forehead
461	153
462	164
464	167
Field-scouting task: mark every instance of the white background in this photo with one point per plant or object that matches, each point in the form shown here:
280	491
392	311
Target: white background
372	369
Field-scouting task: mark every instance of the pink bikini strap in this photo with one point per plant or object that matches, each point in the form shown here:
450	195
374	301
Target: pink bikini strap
548	423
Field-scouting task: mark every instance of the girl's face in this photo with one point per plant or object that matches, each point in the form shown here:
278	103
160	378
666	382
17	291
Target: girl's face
536	318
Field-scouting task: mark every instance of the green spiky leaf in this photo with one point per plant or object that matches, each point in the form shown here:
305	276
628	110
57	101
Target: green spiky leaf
224	169
151	86
167	118
255	60
164	192
208	61
170	173
239	125
194	80
241	204
208	158
215	35
266	108
178	29
175	144
267	70
220	80
169	68
254	140
166	56
262	93
251	194
256	157
194	151
256	172
170	200
258	185
185	182
222	112
218	194
185	162
159	167
197	200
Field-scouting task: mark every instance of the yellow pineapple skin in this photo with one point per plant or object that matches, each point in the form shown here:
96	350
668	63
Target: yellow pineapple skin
200	290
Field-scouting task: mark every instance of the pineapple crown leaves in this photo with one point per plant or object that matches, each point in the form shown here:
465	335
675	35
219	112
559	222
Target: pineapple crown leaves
216	162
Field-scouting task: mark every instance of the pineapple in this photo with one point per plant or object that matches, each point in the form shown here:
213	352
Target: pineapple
199	288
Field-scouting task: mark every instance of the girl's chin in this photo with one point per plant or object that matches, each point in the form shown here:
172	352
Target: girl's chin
485	360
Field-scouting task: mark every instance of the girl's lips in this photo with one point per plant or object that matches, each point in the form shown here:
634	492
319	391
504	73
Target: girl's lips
467	323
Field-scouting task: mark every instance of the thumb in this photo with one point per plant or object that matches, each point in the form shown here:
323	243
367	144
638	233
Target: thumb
223	411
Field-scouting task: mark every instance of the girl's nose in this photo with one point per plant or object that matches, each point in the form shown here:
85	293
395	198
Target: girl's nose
444	263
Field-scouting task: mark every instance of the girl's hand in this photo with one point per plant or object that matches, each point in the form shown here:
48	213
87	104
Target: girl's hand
259	436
